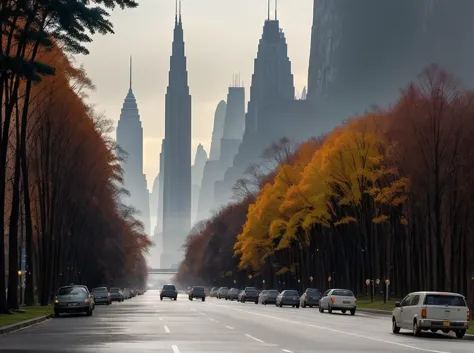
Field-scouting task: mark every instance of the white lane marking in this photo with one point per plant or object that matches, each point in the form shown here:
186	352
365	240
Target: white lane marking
213	319
193	309
175	349
336	331
287	351
230	327
203	313
160	318
167	330
254	338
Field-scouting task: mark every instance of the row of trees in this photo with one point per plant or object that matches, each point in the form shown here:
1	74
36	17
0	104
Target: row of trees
385	196
60	175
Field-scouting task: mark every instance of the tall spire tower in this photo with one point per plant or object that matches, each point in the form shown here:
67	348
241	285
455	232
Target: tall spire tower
177	156
130	139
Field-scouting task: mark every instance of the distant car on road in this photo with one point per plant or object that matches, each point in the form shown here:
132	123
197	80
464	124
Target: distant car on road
232	294
423	311
250	294
73	299
288	297
198	293
261	295
116	295
338	299
169	291
310	297
269	297
222	292
213	292
101	295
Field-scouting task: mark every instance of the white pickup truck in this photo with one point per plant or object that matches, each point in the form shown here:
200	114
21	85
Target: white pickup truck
432	311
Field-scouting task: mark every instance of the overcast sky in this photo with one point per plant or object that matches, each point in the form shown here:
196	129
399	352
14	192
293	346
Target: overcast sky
221	39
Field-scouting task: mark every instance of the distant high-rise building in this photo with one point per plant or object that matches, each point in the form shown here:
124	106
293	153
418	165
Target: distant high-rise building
197	171
233	129
217	131
363	52
130	139
177	156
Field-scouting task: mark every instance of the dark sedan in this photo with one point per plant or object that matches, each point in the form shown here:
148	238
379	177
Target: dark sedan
73	299
101	296
232	294
250	294
310	297
269	297
288	297
197	293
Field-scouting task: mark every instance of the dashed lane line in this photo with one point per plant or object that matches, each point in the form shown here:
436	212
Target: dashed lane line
213	320
229	327
175	349
167	330
334	330
254	338
287	351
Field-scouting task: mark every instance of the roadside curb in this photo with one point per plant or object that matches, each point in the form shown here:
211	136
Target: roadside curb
389	313
23	324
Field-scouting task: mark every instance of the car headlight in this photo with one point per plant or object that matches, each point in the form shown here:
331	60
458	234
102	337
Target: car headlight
56	301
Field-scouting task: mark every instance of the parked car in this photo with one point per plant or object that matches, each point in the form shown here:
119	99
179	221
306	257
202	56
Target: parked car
239	296
126	293
169	291
73	299
213	292
222	292
338	299
269	297
197	292
288	297
87	291
261	295
434	311
101	295
250	294
232	294
116	295
310	297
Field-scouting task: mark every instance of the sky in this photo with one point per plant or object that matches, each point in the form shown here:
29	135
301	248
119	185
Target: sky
221	39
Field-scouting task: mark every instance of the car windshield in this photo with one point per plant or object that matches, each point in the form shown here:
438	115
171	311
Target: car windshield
273	292
71	291
114	289
99	290
313	291
169	287
444	300
198	289
342	293
291	292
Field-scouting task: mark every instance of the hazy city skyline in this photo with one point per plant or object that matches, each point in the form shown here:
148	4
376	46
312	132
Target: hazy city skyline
221	40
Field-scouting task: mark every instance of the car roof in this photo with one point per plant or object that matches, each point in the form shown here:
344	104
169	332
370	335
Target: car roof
437	293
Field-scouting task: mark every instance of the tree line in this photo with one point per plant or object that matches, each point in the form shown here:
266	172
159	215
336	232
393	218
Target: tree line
388	195
60	174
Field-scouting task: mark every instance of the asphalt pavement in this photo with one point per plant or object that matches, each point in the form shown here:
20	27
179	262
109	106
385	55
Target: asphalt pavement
146	324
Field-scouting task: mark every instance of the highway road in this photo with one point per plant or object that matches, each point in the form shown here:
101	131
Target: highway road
146	324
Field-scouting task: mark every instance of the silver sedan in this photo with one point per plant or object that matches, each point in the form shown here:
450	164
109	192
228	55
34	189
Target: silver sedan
73	299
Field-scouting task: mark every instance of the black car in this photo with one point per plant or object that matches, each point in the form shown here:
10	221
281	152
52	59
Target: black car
250	294
197	292
232	294
169	291
310	297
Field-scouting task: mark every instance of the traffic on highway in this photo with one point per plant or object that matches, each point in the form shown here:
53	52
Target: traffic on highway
196	320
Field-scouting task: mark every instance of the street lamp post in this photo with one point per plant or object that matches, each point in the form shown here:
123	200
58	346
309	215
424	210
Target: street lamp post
20	285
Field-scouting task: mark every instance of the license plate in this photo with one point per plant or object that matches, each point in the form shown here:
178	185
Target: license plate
346	302
315	298
446	323
72	304
295	298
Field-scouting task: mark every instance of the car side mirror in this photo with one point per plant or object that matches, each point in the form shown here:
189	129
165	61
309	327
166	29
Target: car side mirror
398	304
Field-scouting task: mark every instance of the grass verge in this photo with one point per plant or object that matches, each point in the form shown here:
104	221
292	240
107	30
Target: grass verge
31	312
366	303
471	328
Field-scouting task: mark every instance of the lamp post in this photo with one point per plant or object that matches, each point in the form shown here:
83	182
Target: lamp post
20	286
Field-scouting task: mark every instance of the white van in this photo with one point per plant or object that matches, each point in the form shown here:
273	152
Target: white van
432	311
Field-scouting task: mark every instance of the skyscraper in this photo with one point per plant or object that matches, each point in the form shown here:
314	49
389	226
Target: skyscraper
177	157
130	139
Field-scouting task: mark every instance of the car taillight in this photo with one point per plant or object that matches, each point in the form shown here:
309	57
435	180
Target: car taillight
468	315
423	313
333	300
355	299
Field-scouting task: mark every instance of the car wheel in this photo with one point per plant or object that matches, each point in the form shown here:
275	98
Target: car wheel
310	306
416	329
161	298
190	298
265	302
89	312
297	306
281	305
343	311
256	302
203	299
56	313
321	310
329	310
460	333
303	305
395	328
175	298
353	312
